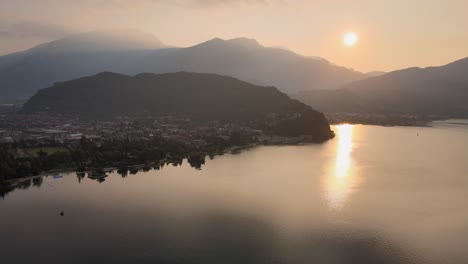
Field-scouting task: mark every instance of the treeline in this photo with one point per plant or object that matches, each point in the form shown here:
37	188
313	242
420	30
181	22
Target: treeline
110	153
12	167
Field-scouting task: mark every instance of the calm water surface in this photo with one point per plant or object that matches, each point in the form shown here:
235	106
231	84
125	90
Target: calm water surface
395	194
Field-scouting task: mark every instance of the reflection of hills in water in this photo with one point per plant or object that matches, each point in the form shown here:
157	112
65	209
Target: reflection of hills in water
226	238
230	239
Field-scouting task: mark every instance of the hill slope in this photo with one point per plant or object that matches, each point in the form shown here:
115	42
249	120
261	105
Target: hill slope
431	91
247	60
200	96
22	74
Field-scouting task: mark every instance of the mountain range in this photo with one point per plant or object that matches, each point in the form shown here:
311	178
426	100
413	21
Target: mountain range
313	80
439	90
24	73
204	97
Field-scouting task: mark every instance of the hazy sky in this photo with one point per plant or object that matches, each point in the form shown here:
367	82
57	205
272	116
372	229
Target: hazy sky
393	34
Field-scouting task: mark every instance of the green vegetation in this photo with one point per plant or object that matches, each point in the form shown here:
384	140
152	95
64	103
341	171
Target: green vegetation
16	166
110	153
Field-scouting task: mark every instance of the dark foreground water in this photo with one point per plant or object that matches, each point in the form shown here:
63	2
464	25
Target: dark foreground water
371	195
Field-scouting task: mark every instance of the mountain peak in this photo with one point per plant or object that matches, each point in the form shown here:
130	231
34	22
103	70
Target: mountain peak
374	73
241	42
109	74
246	42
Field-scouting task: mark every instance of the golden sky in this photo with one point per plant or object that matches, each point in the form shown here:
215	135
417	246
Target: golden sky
393	34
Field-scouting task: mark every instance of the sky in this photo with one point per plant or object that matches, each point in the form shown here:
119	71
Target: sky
393	34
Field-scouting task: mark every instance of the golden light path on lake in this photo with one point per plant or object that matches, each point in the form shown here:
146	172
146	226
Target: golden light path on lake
340	179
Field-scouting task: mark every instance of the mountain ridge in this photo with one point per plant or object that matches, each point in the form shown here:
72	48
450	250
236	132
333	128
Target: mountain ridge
207	97
101	40
440	90
242	58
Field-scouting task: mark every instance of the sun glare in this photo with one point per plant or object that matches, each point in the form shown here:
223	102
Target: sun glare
350	39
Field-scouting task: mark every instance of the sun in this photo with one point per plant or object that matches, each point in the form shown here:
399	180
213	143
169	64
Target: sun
350	39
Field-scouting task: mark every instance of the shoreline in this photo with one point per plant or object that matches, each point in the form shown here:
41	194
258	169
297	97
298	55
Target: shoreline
233	150
383	119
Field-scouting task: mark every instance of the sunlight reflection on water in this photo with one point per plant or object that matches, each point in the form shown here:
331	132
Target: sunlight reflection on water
340	182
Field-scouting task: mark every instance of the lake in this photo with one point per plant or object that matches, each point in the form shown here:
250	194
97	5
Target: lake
371	195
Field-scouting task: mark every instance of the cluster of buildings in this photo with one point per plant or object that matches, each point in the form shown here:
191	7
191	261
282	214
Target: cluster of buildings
42	129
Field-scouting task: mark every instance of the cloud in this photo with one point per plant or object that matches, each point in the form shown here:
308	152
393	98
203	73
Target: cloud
30	29
26	23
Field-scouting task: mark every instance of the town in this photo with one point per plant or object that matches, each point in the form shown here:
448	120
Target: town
43	143
40	143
